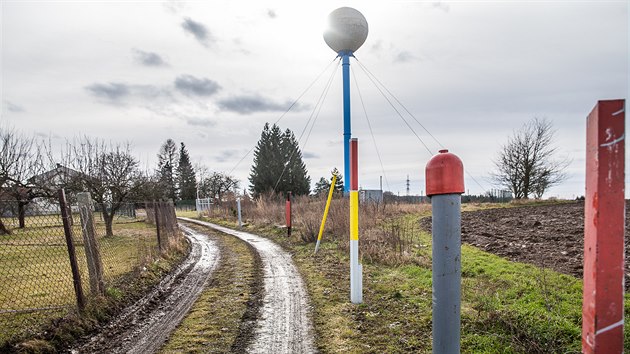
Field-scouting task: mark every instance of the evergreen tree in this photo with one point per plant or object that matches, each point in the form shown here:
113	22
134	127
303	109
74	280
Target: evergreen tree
295	177
278	164
339	182
186	176
323	185
167	168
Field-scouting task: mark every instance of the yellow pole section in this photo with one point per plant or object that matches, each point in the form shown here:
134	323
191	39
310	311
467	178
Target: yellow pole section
321	227
354	215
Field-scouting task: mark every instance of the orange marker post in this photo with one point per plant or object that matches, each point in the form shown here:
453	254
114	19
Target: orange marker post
604	218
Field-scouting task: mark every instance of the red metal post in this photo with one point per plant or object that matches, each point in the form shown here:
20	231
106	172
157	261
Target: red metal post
288	213
604	217
354	164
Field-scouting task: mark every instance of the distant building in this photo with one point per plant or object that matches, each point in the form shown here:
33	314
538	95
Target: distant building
371	196
54	179
46	184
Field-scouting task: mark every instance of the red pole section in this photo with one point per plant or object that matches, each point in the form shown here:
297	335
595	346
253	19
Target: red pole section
604	217
354	164
288	213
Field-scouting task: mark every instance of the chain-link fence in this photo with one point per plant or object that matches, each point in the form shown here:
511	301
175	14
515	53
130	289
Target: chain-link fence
54	259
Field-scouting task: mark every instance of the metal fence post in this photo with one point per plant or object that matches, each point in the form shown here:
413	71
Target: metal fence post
238	209
604	218
92	252
444	184
67	229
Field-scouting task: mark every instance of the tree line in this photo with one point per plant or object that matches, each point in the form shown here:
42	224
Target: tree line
526	165
30	170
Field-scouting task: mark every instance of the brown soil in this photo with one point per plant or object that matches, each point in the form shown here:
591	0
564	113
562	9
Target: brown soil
549	236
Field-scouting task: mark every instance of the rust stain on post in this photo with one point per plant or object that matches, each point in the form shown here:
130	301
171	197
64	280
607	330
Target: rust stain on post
604	218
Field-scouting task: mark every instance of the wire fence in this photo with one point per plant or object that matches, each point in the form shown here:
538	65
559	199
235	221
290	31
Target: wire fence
55	256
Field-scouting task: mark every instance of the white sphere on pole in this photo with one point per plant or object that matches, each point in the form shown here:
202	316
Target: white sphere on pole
347	30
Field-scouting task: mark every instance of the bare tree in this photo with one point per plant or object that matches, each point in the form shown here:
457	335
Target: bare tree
21	159
217	185
526	164
108	171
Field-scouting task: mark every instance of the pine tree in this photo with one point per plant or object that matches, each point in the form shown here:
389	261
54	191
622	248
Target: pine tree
339	182
167	168
186	176
323	185
278	164
295	177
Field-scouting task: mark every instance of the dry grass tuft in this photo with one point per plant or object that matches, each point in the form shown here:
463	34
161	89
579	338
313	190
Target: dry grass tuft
387	231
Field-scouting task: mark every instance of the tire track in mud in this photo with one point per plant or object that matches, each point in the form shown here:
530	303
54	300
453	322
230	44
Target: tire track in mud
144	326
283	324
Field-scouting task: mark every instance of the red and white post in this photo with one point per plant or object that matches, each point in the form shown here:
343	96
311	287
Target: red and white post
604	218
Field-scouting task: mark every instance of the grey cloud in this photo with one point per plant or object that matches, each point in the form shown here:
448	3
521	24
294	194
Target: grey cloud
441	6
197	29
190	85
272	13
117	93
226	155
112	91
201	122
12	107
174	6
247	104
148	58
404	57
310	155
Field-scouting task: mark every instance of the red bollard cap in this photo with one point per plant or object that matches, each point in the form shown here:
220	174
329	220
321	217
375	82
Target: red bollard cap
444	174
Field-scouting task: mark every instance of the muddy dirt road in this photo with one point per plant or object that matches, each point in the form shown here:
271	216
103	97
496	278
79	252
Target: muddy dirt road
283	325
144	326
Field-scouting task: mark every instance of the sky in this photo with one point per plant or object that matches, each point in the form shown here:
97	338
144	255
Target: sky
212	73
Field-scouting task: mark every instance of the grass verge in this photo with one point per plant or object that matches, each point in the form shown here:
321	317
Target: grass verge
507	307
42	277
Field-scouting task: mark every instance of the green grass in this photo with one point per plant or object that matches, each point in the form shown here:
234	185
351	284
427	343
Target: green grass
35	269
507	307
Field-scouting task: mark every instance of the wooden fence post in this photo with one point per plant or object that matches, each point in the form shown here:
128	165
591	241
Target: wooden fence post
604	217
92	253
76	276
156	211
173	218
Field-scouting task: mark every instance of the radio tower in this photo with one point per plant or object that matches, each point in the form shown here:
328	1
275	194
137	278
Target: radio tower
407	185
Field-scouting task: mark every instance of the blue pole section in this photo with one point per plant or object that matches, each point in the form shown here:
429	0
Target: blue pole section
345	64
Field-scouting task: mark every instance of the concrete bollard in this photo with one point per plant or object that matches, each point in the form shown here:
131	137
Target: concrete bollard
444	176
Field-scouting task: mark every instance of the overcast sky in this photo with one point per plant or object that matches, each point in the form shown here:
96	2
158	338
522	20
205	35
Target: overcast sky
210	74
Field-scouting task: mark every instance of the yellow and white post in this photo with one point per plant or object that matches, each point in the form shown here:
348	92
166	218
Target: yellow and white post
321	227
356	269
